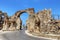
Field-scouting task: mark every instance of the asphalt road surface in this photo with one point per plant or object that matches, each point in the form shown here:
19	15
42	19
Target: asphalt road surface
17	35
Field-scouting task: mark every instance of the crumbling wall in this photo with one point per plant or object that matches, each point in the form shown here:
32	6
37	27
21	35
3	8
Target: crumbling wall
40	22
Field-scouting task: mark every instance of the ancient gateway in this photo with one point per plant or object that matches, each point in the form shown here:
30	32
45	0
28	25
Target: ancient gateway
40	22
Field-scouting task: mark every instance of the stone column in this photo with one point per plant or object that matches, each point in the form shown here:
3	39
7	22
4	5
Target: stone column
19	24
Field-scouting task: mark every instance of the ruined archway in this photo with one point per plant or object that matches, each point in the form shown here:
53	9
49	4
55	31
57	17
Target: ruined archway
16	16
15	23
30	11
24	17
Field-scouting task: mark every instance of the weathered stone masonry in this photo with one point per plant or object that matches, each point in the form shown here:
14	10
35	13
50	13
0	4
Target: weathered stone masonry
40	22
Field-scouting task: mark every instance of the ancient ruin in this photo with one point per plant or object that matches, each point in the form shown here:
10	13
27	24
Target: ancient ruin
13	22
40	22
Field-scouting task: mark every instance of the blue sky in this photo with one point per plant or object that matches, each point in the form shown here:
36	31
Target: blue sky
11	6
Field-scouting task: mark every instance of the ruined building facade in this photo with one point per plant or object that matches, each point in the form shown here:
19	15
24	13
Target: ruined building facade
40	22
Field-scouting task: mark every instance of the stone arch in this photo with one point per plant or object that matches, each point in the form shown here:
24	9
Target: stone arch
17	15
30	11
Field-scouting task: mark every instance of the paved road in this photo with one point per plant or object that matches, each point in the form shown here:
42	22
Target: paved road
17	35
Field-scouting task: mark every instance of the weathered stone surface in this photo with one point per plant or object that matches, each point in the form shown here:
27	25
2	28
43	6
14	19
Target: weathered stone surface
40	22
14	22
18	23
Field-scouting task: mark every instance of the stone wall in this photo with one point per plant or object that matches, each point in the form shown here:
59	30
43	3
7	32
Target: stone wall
42	22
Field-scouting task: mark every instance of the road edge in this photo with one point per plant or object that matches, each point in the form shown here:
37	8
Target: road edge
27	32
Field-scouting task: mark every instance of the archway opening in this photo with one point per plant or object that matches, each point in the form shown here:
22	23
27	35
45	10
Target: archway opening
24	17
